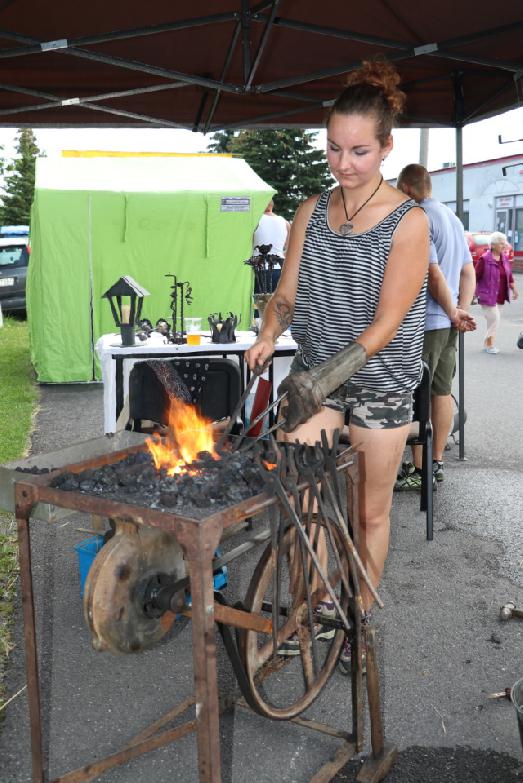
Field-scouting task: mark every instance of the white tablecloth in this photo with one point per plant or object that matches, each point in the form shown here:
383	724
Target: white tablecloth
109	347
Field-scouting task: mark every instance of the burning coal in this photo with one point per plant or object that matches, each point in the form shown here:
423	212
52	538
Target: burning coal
180	472
189	434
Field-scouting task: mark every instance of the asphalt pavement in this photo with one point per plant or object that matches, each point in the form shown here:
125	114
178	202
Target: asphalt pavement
441	644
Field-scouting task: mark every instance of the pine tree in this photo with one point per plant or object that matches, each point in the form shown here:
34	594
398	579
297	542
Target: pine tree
221	141
288	161
20	180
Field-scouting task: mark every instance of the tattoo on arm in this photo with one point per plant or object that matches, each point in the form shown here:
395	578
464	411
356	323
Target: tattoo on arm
284	312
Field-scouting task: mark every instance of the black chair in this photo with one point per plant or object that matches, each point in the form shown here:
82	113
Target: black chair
213	384
423	437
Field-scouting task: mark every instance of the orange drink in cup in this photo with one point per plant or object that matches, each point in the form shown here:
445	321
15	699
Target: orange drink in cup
192	328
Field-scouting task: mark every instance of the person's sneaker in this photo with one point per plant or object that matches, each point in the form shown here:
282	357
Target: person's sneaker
437	470
411	482
291	646
344	662
326	609
407	469
492	350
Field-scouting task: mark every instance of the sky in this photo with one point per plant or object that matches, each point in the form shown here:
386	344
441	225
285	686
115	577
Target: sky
480	141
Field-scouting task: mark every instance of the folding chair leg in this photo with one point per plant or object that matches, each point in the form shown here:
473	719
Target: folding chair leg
429	480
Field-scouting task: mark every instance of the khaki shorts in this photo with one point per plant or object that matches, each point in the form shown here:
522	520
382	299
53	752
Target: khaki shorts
369	408
439	351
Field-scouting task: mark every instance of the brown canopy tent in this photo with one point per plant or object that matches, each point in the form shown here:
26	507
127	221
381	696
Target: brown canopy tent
241	63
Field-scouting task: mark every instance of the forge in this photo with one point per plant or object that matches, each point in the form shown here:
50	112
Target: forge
298	504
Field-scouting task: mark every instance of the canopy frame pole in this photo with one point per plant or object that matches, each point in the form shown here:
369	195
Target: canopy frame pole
459	106
63	103
226	66
263	43
116	35
56	102
246	38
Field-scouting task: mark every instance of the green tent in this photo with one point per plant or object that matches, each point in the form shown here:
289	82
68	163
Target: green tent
96	219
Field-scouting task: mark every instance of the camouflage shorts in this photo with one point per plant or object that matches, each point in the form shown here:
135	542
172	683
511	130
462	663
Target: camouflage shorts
369	408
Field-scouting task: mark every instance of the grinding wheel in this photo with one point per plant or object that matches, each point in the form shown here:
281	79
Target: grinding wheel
113	607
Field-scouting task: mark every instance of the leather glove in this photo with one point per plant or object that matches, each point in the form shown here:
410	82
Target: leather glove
304	399
307	391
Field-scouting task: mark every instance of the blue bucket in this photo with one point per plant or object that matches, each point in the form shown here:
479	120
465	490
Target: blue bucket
89	548
87	551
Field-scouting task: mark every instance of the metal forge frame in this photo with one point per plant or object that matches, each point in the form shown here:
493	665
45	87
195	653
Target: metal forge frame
199	540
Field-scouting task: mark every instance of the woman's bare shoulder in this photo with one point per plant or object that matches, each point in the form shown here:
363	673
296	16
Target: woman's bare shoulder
305	210
412	224
395	197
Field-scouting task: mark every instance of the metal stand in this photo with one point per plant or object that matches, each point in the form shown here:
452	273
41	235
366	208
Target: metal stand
199	540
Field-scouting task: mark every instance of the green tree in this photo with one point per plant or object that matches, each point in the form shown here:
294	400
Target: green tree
20	180
286	159
221	141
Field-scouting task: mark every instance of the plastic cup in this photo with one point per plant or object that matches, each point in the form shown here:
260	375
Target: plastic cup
192	325
193	338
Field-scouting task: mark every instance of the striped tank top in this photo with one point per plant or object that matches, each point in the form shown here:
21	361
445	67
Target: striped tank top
339	286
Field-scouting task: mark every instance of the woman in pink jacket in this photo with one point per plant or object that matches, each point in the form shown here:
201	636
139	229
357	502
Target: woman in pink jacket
494	286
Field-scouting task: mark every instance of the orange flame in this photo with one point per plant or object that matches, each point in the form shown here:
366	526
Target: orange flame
189	433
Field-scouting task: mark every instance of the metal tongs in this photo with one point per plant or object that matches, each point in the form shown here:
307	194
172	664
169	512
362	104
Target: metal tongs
256	372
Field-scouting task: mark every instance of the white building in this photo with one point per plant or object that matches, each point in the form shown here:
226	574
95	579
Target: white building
492	196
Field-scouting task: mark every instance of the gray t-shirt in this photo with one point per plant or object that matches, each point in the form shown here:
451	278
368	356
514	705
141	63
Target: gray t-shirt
449	249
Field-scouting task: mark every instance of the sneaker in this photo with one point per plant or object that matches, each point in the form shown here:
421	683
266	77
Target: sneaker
291	646
437	470
344	662
326	609
492	350
407	469
410	482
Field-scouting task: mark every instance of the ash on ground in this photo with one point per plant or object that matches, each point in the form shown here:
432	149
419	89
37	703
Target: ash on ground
217	484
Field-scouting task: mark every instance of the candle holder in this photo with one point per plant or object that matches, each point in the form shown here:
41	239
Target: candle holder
126	300
222	329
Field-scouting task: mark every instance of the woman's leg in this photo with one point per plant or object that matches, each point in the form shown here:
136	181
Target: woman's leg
492	316
383	449
327	419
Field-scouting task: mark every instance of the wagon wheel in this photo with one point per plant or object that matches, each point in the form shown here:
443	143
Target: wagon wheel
310	669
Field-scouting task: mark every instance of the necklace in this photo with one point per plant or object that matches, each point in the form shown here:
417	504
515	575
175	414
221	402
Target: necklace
346	228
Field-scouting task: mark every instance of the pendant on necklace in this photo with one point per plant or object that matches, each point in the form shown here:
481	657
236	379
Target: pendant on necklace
346	229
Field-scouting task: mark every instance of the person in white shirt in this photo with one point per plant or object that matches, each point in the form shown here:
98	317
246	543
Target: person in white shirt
272	230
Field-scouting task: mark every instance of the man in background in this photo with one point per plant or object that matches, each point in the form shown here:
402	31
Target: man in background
272	230
451	287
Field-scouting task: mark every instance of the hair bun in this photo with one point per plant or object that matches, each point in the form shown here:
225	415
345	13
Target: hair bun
383	76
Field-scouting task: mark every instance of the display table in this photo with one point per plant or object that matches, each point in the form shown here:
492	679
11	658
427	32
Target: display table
117	363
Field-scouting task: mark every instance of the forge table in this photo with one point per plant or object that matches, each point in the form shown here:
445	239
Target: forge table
117	362
199	538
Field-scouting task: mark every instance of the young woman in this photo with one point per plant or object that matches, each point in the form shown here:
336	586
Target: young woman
494	286
355	272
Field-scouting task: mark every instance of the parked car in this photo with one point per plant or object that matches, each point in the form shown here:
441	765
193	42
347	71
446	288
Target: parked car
479	243
14	260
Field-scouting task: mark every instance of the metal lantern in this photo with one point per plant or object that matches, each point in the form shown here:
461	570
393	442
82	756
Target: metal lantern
126	300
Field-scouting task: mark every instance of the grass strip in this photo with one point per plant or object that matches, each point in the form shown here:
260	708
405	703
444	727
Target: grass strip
18	400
